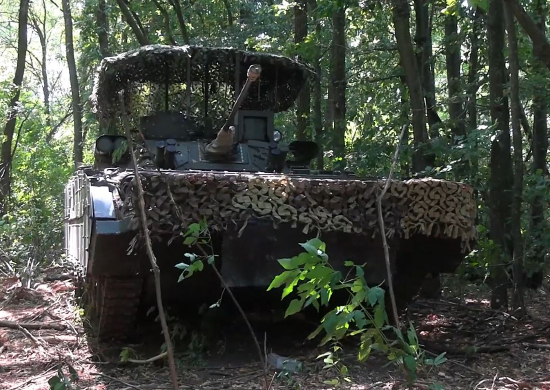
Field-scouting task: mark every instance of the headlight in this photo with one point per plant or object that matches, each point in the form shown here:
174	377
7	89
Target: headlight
104	144
277	136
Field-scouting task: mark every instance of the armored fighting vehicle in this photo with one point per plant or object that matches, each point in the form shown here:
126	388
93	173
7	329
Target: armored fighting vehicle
203	126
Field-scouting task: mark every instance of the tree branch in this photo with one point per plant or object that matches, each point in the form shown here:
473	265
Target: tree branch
383	229
142	39
149	248
540	44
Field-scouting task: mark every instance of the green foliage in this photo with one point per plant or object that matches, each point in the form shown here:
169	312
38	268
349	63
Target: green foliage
309	279
197	233
62	381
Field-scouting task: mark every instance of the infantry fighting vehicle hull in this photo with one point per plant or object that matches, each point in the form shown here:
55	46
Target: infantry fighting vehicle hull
202	119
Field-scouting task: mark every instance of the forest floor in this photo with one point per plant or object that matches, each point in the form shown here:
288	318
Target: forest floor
486	349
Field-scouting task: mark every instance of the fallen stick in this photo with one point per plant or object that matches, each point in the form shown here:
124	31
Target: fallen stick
29	336
150	360
537	346
31	325
116	379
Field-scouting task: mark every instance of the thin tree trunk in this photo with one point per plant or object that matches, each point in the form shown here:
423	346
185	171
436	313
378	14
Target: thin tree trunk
137	19
303	103
515	104
452	61
73	76
473	67
338	80
540	149
102	23
102	27
181	21
166	17
227	6
500	181
129	17
317	91
40	29
541	46
6	153
401	14
424	59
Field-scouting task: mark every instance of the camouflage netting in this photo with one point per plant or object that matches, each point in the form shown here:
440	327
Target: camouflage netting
150	74
427	206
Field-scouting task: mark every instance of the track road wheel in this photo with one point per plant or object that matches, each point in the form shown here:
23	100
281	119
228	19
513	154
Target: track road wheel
112	306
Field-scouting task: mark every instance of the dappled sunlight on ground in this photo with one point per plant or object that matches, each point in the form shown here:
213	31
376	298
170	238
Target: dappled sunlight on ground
487	349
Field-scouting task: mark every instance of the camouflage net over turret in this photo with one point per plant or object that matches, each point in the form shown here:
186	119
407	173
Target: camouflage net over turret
151	74
425	206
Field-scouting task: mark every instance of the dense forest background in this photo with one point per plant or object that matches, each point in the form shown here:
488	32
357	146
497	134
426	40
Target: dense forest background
469	79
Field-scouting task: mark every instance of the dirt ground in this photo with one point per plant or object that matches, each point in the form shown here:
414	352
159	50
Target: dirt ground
486	349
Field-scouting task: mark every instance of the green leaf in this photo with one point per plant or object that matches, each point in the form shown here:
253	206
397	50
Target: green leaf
294	307
330	322
440	359
292	263
279	280
325	295
379	314
289	288
318	272
189	240
348	263
343	370
211	260
317	244
182	266
315	304
357	285
316	332
411	335
376	294
410	363
360	319
364	351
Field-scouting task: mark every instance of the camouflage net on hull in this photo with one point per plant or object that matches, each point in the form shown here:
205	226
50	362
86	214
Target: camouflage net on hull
425	206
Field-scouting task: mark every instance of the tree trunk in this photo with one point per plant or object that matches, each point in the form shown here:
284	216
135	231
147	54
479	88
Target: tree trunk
500	165
424	59
539	147
541	47
452	61
517	297
181	21
129	17
303	103
7	155
136	18
317	91
166	17
338	80
227	6
401	14
473	69
40	28
102	23
73	76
